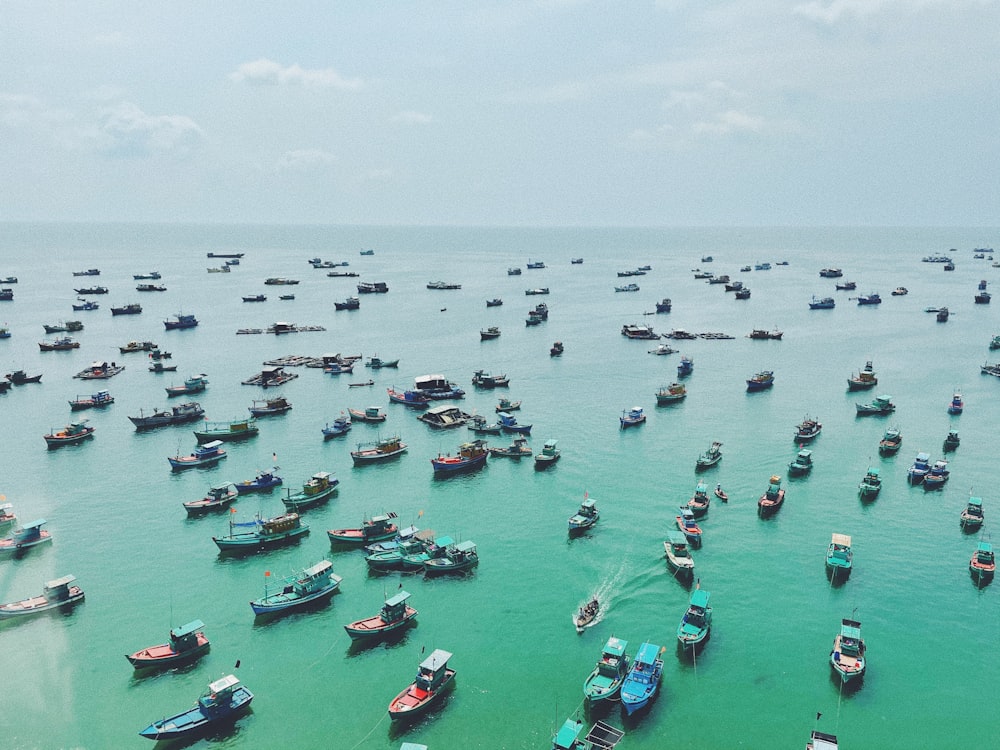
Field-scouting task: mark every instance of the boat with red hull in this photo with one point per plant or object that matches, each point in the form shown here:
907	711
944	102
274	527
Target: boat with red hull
433	680
186	643
395	614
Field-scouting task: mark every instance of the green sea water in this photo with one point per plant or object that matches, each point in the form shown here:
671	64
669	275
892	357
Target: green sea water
114	507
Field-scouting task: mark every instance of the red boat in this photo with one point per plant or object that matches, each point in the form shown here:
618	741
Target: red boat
186	642
395	614
433	679
375	529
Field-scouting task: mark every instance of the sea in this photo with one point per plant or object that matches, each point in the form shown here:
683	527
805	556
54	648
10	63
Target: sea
763	679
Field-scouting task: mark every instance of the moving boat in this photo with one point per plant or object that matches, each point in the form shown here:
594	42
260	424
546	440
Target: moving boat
395	614
711	456
265	481
218	497
643	679
864	380
839	557
375	529
982	566
380	450
678	554
671	394
311	585
802	464
186	643
471	456
224	700
696	624
238	429
586	615
605	681
807	429
761	381
848	655
890	442
870	485
57	593
773	497
547	456
881	405
97	400
21	539
434	678
208	454
317	489
585	517
972	517
179	414
632	417
269	533
71	434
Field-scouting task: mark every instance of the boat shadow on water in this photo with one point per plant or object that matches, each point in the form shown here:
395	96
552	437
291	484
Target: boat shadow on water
847	689
146	674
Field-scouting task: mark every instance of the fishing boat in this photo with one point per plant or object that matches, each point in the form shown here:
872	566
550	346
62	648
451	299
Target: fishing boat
720	493
662	350
870	485
255	298
260	534
761	381
802	464
7	516
671	394
604	682
509	423
689	526
700	501
370	414
537	290
513	271
506	404
218	497
495	302
517	449
395	614
21	539
482	379
151	276
71	434
585	517
586	615
488	334
158	366
374	529
763	334
831	273
61	344
821	741
839	556
88	272
971	517
890	442
918	471
68	327
410	554
238	429
943	314
457	558
872	298
881	405
317	489
951	442
807	429
413	399
180	321
711	456
92	290
57	593
351	303
434	678
471	456
308	586
696	624
377	362
548	456
627	288
957	405
480	426
678	554
265	481
269	406
224	700
340	426
179	414
568	736
773	497
848	655
982	566
632	417
664	305
556	349
864	380
280	281
100	371
824	303
373	287
208	454
743	293
194	384
84	304
936	475
643	678
379	450
20	377
187	643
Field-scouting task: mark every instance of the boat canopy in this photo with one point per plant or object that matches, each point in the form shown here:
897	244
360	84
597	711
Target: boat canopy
185	630
212	445
588	504
437	660
699	598
465	547
676	538
615	647
318	569
984	548
224	683
33	525
67	580
397	599
841	540
648	653
973	502
850	629
567	737
923	457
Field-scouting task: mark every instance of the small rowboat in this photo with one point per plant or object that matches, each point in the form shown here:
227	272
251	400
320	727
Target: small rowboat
719	493
586	615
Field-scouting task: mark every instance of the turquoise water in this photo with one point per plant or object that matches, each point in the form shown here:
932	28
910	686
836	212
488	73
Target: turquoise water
114	507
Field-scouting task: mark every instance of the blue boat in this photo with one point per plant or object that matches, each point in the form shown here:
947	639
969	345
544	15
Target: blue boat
643	678
826	303
696	624
340	426
606	679
471	456
508	423
413	399
208	454
225	699
936	476
918	471
956	405
585	517
265	481
761	381
310	585
632	417
686	367
870	299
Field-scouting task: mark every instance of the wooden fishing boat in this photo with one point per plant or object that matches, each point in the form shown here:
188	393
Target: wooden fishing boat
720	493
890	442
870	485
604	682
133	308
509	423
22	539
761	381
7	516
341	426
880	406
180	321
585	517
632	417
376	362
839	556
350	303
260	533
374	529
255	298
309	586
548	456
848	655
218	497
505	404
936	476
395	614
265	481
56	593
383	449
670	394
643	679
434	678
20	377
918	470
158	366
773	497
700	501
952	441
957	404
480	426
84	304
137	346
269	406
238	429
208	454
807	429
517	449
61	344
495	302
556	349
95	401
802	464
972	516
457	558
188	412
483	379
361	384
224	700
864	380
371	414
187	643
696	624
71	434
488	334
675	546
710	457
319	488
982	566
586	615
194	384
88	272
689	526
413	399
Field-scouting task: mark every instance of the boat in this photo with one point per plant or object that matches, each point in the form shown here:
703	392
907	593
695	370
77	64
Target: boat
556	349
370	414
413	399
7	516
319	488
57	593
831	273
373	287
870	299
627	288
88	272
71	434
380	450
848	655
334	367
341	425
971	517
802	464
280	281
700	501
807	429
151	276
643	678
23	538
226	255
361	384
221	269
377	362
951	442
585	517
479	426
188	412
825	303
457	558
482	379
664	305
988	369
721	494
208	454
671	394
696	624
982	297
957	405
632	417
678	554
367	252
194	384
269	533
4	332
586	615
395	614
265	481
150	288
20	377
870	485
180	321
437	387
890	442
517	449
410	553
942	315
470	456
137	346
644	333
509	423
534	264
513	271
224	700
900	291
442	285
982	566
309	586
351	303
881	405
505	404
918	471
286	296
711	456
936	476
495	302
773	497
568	736
689	526
67	327
238	429
761	381
270	406
100	371
61	344
846	286
374	529
839	557
995	343
663	349
218	497
186	643
434	678
605	681
547	456
7	295
763	334
80	304
255	298
92	290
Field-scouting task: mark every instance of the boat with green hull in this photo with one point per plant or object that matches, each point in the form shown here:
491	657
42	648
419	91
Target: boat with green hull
317	489
839	556
696	624
237	429
261	533
870	485
606	680
848	655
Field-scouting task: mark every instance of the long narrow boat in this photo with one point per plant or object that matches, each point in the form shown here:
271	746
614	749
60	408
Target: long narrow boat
605	681
188	412
395	614
186	643
95	401
413	399
434	678
57	593
238	429
471	456
24	538
208	454
224	700
311	585
380	450
317	489
218	497
643	679
270	533
71	434
374	529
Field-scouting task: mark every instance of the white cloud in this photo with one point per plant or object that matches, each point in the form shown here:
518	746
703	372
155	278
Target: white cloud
125	130
264	72
409	116
303	159
730	121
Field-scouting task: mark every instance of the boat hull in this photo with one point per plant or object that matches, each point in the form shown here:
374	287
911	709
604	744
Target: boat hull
284	602
197	721
301	502
37	605
375	627
164	656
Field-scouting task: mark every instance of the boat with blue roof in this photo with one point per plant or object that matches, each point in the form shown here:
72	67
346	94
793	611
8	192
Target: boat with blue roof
643	679
761	381
890	442
696	624
686	366
340	426
265	481
394	615
848	655
309	586
413	399
568	736
95	401
247	536
957	404
547	456
918	471
936	475
187	643
194	384
632	417
434	678
605	681
23	538
509	423
56	594
223	702
208	454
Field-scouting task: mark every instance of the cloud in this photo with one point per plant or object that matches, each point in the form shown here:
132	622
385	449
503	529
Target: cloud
264	72
125	130
304	159
730	121
409	116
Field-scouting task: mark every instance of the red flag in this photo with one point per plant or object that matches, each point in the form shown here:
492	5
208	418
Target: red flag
267	573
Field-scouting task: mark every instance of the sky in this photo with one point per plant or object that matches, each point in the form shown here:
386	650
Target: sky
519	113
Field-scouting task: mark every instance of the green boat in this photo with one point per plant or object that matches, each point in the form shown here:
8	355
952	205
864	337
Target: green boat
568	736
839	557
881	405
890	442
409	550
696	624
317	489
848	655
870	485
606	680
802	464
972	517
238	429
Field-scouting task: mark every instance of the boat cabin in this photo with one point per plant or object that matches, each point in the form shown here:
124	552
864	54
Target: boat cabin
58	589
209	448
186	636
219	691
645	659
433	670
395	607
317	483
588	508
312	578
678	544
462	551
697	609
850	638
431	383
840	550
984	554
279	524
613	659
